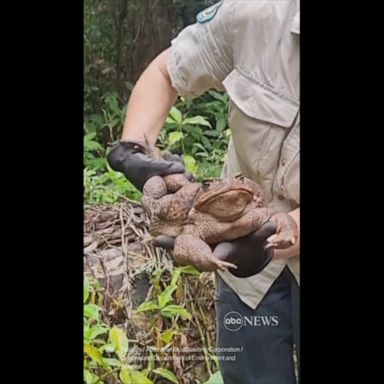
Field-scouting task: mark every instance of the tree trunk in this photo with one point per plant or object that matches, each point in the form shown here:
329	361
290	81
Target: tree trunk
153	28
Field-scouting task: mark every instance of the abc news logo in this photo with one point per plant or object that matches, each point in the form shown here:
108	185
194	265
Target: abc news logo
233	321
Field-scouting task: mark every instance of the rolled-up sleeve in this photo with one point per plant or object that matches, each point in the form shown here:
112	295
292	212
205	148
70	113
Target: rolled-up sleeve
201	55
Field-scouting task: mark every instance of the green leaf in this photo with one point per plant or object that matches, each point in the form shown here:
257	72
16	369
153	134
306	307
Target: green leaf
86	289
147	306
107	348
218	96
190	128
169	120
211	133
112	362
207	144
166	374
125	375
131	376
167	336
194	131
95	331
189	269
89	136
151	361
96	163
174	310
216	378
174	137
220	123
93	353
112	104
190	163
93	146
114	122
91	311
176	115
175	276
201	154
119	341
197	120
87	377
198	145
139	378
166	296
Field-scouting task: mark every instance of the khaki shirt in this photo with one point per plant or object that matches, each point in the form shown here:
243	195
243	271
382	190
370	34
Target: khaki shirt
250	49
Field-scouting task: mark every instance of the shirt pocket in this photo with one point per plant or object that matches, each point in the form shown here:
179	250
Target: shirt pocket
261	118
259	100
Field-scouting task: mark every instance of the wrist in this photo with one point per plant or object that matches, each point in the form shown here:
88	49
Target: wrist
132	144
287	253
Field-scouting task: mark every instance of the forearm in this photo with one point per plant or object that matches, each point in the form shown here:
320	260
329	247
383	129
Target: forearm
295	249
150	102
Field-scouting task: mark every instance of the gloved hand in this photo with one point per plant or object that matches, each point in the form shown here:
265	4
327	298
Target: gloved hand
248	252
131	159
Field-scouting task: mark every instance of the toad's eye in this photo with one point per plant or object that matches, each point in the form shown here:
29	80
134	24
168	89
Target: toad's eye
205	185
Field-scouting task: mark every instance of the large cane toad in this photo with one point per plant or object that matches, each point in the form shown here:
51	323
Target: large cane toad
202	214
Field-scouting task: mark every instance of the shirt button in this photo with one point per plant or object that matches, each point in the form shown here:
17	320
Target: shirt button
283	162
281	197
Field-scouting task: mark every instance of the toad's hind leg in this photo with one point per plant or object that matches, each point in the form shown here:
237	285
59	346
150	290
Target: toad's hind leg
190	249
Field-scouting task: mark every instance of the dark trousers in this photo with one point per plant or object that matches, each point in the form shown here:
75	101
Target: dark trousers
256	346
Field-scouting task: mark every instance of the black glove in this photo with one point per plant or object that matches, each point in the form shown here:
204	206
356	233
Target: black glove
130	159
248	252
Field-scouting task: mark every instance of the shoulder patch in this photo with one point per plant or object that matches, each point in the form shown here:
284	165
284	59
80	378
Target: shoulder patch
208	13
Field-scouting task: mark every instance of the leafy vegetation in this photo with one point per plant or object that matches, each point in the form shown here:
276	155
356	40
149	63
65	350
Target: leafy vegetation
110	355
197	130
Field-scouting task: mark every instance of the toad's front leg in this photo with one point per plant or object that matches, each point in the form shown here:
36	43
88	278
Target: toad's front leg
286	231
